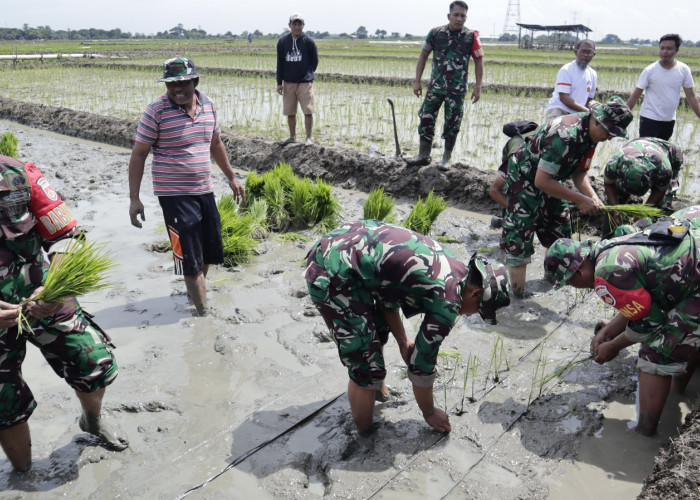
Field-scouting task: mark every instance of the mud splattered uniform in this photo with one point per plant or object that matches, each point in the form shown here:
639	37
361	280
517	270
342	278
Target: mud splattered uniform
362	266
559	147
448	79
70	341
643	164
657	289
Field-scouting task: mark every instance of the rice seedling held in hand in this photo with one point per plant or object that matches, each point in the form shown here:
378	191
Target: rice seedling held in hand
82	269
620	214
379	206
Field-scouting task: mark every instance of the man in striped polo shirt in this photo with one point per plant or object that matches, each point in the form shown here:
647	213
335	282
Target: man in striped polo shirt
182	130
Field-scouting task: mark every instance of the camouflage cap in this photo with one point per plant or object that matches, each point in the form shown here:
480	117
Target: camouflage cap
495	287
177	69
297	16
564	258
16	217
634	175
613	115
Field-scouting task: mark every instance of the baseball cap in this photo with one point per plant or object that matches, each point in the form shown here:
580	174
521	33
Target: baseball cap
495	287
564	258
297	16
613	115
177	69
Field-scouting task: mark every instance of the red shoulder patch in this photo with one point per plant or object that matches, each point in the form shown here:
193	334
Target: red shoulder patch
632	304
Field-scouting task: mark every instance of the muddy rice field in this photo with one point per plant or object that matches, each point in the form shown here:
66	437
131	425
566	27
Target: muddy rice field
250	401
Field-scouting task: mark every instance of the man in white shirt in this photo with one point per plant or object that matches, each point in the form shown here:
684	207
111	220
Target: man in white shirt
663	81
576	83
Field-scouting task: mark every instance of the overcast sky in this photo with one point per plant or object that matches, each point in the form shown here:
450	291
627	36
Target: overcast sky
625	18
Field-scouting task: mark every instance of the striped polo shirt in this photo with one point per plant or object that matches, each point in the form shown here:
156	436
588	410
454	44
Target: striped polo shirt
181	145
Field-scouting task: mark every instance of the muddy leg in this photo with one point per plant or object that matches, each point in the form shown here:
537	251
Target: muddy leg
362	406
17	445
92	423
653	391
517	280
681	381
197	290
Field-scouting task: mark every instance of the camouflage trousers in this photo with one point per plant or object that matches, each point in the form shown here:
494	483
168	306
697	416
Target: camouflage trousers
358	328
530	212
428	113
674	339
72	344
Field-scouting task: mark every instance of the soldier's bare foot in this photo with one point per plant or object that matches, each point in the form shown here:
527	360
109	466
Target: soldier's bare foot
97	427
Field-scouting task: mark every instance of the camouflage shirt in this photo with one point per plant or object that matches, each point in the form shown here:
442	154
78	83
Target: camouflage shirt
559	147
401	269
663	162
451	52
646	282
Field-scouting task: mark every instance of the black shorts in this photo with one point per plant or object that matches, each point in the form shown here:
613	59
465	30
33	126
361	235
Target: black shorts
655	128
194	229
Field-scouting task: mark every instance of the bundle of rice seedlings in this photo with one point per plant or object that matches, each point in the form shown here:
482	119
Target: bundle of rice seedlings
8	144
423	214
277	215
299	197
239	230
84	268
323	208
254	186
631	213
380	206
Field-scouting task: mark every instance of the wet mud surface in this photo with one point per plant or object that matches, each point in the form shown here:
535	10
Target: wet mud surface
250	401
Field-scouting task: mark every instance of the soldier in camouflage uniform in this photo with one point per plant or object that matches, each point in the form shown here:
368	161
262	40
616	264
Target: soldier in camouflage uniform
640	165
452	46
34	220
652	279
361	275
537	199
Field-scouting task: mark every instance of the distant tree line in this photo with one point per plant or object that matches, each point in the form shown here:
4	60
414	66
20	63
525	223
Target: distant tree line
27	32
610	39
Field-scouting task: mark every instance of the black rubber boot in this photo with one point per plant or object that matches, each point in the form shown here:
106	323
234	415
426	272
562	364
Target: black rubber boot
447	154
423	157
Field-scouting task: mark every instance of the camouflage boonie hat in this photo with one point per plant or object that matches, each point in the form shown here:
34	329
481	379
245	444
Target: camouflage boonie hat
613	115
634	175
564	258
16	218
177	69
495	287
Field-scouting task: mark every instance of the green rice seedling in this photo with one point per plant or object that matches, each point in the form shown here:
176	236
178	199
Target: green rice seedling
8	144
423	214
83	268
293	237
540	366
380	206
631	212
498	359
473	369
323	208
562	370
254	187
469	371
277	215
299	197
447	239
239	229
450	361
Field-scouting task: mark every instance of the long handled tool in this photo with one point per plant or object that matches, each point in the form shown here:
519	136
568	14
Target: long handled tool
396	135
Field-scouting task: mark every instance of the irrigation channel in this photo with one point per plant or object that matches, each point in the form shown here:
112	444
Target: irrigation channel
250	401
